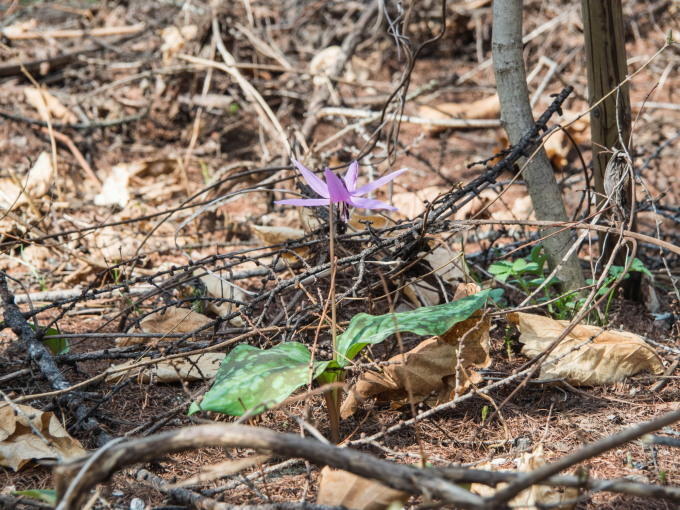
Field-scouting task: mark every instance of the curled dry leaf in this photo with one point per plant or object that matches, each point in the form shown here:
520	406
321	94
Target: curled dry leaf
171	320
19	444
342	488
437	370
37	182
217	288
487	108
589	355
537	496
192	368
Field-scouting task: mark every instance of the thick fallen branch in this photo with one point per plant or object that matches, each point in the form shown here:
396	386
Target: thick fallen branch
440	484
406	478
48	367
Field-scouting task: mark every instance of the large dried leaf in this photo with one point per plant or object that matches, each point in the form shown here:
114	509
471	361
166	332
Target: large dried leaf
589	355
341	488
537	496
193	368
171	320
438	369
19	444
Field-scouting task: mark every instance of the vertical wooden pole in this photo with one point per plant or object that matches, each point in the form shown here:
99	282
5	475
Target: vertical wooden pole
605	47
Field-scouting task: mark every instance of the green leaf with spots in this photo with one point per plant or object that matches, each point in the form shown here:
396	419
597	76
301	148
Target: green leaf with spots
251	377
48	496
367	329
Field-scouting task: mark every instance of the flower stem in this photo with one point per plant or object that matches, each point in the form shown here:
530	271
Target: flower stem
331	224
333	396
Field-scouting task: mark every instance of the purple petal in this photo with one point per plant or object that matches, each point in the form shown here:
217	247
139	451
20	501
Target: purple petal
305	202
336	188
369	203
376	184
351	176
314	182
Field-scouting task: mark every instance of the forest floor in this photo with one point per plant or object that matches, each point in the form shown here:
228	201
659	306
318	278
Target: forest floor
122	125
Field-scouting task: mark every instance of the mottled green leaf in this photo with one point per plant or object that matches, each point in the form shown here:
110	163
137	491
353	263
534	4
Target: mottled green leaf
367	329
56	344
47	496
251	377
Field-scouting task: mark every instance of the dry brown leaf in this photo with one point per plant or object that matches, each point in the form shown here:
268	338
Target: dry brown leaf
411	204
487	108
115	188
438	369
537	496
281	235
171	320
342	488
220	289
193	368
174	39
36	183
357	220
19	28
19	444
601	356
447	264
48	106
323	63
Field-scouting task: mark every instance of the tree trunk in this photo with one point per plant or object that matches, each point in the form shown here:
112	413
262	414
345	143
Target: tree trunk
517	119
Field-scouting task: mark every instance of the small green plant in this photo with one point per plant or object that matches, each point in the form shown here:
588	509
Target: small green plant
529	274
485	413
52	338
48	496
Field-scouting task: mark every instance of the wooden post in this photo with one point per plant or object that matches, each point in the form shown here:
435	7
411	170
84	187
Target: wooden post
606	62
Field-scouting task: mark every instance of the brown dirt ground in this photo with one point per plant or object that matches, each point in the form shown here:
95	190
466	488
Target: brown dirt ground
129	78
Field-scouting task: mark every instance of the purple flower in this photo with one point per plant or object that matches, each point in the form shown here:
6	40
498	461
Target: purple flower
341	190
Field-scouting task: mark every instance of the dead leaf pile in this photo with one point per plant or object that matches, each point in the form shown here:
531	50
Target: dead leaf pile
589	355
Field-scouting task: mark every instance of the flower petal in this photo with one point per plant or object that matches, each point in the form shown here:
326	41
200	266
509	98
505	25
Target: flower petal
369	203
351	176
336	188
305	202
377	183
314	182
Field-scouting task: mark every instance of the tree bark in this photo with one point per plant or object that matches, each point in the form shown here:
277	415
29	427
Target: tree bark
517	119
